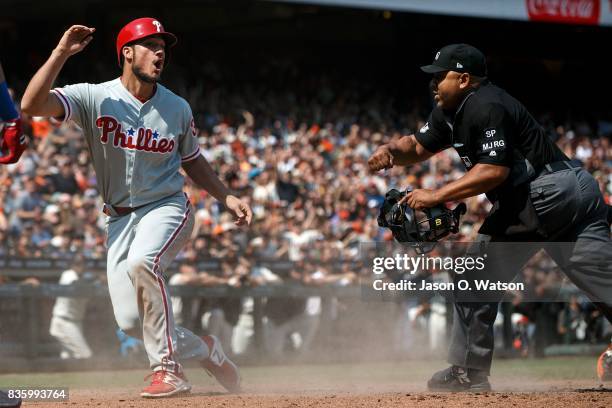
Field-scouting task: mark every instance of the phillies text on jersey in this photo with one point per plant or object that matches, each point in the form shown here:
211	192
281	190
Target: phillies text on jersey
145	139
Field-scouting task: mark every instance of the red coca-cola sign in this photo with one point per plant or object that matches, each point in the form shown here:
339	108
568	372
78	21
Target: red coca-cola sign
564	11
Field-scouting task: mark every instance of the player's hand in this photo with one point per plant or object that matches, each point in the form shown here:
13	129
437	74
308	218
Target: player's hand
420	198
75	39
239	209
380	159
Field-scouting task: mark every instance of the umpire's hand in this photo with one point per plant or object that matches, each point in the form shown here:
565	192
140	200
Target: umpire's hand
420	199
381	159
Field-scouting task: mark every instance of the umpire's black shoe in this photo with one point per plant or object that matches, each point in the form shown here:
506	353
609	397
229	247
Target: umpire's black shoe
456	379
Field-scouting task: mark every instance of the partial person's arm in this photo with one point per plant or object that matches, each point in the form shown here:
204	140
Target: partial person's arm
204	176
37	99
433	137
28	215
206	279
480	179
282	251
7	107
12	141
401	152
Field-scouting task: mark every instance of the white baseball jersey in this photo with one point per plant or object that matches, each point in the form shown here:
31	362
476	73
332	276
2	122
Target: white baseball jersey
71	308
136	148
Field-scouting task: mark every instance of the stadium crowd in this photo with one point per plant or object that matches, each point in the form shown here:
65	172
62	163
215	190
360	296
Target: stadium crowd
296	146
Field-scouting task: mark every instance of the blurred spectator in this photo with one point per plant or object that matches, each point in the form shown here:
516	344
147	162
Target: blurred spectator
187	275
225	312
286	316
64	180
572	324
292	322
27	207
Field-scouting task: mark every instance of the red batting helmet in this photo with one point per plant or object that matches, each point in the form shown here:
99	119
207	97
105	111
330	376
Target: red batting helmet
142	28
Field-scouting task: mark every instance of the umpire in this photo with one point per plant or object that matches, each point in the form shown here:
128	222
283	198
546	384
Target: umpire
538	196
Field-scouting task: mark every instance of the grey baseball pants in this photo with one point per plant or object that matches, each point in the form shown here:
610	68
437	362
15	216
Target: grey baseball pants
571	208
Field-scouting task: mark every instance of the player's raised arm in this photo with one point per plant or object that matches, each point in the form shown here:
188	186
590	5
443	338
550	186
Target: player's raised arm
37	99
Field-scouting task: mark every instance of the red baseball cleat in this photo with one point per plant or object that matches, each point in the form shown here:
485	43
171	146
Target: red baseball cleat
219	366
165	384
604	365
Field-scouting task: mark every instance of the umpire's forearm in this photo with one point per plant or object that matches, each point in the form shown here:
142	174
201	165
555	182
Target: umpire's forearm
406	150
205	177
482	178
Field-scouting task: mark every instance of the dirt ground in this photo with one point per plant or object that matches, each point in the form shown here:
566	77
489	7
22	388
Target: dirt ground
564	382
333	400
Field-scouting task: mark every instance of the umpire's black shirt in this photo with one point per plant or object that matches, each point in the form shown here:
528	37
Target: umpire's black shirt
492	127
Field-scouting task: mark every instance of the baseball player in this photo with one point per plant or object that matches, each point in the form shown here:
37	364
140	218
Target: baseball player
139	135
538	196
68	315
12	145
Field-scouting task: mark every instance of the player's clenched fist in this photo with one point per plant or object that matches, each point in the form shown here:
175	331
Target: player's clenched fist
381	159
75	39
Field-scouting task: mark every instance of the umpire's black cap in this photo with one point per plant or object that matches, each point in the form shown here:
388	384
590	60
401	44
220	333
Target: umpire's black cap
459	58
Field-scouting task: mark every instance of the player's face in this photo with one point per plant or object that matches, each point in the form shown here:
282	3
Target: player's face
448	89
148	59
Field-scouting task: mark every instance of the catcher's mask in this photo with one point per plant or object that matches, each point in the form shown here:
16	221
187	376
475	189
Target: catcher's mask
419	229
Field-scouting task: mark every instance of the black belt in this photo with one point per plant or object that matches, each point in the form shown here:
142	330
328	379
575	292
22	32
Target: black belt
120	211
557	166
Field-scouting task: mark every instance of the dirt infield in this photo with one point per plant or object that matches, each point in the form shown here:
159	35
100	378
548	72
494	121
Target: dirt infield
577	398
567	382
564	399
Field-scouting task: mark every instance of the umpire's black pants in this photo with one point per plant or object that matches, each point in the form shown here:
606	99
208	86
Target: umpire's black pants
570	206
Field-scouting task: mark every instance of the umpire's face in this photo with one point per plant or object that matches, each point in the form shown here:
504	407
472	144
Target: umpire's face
449	88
